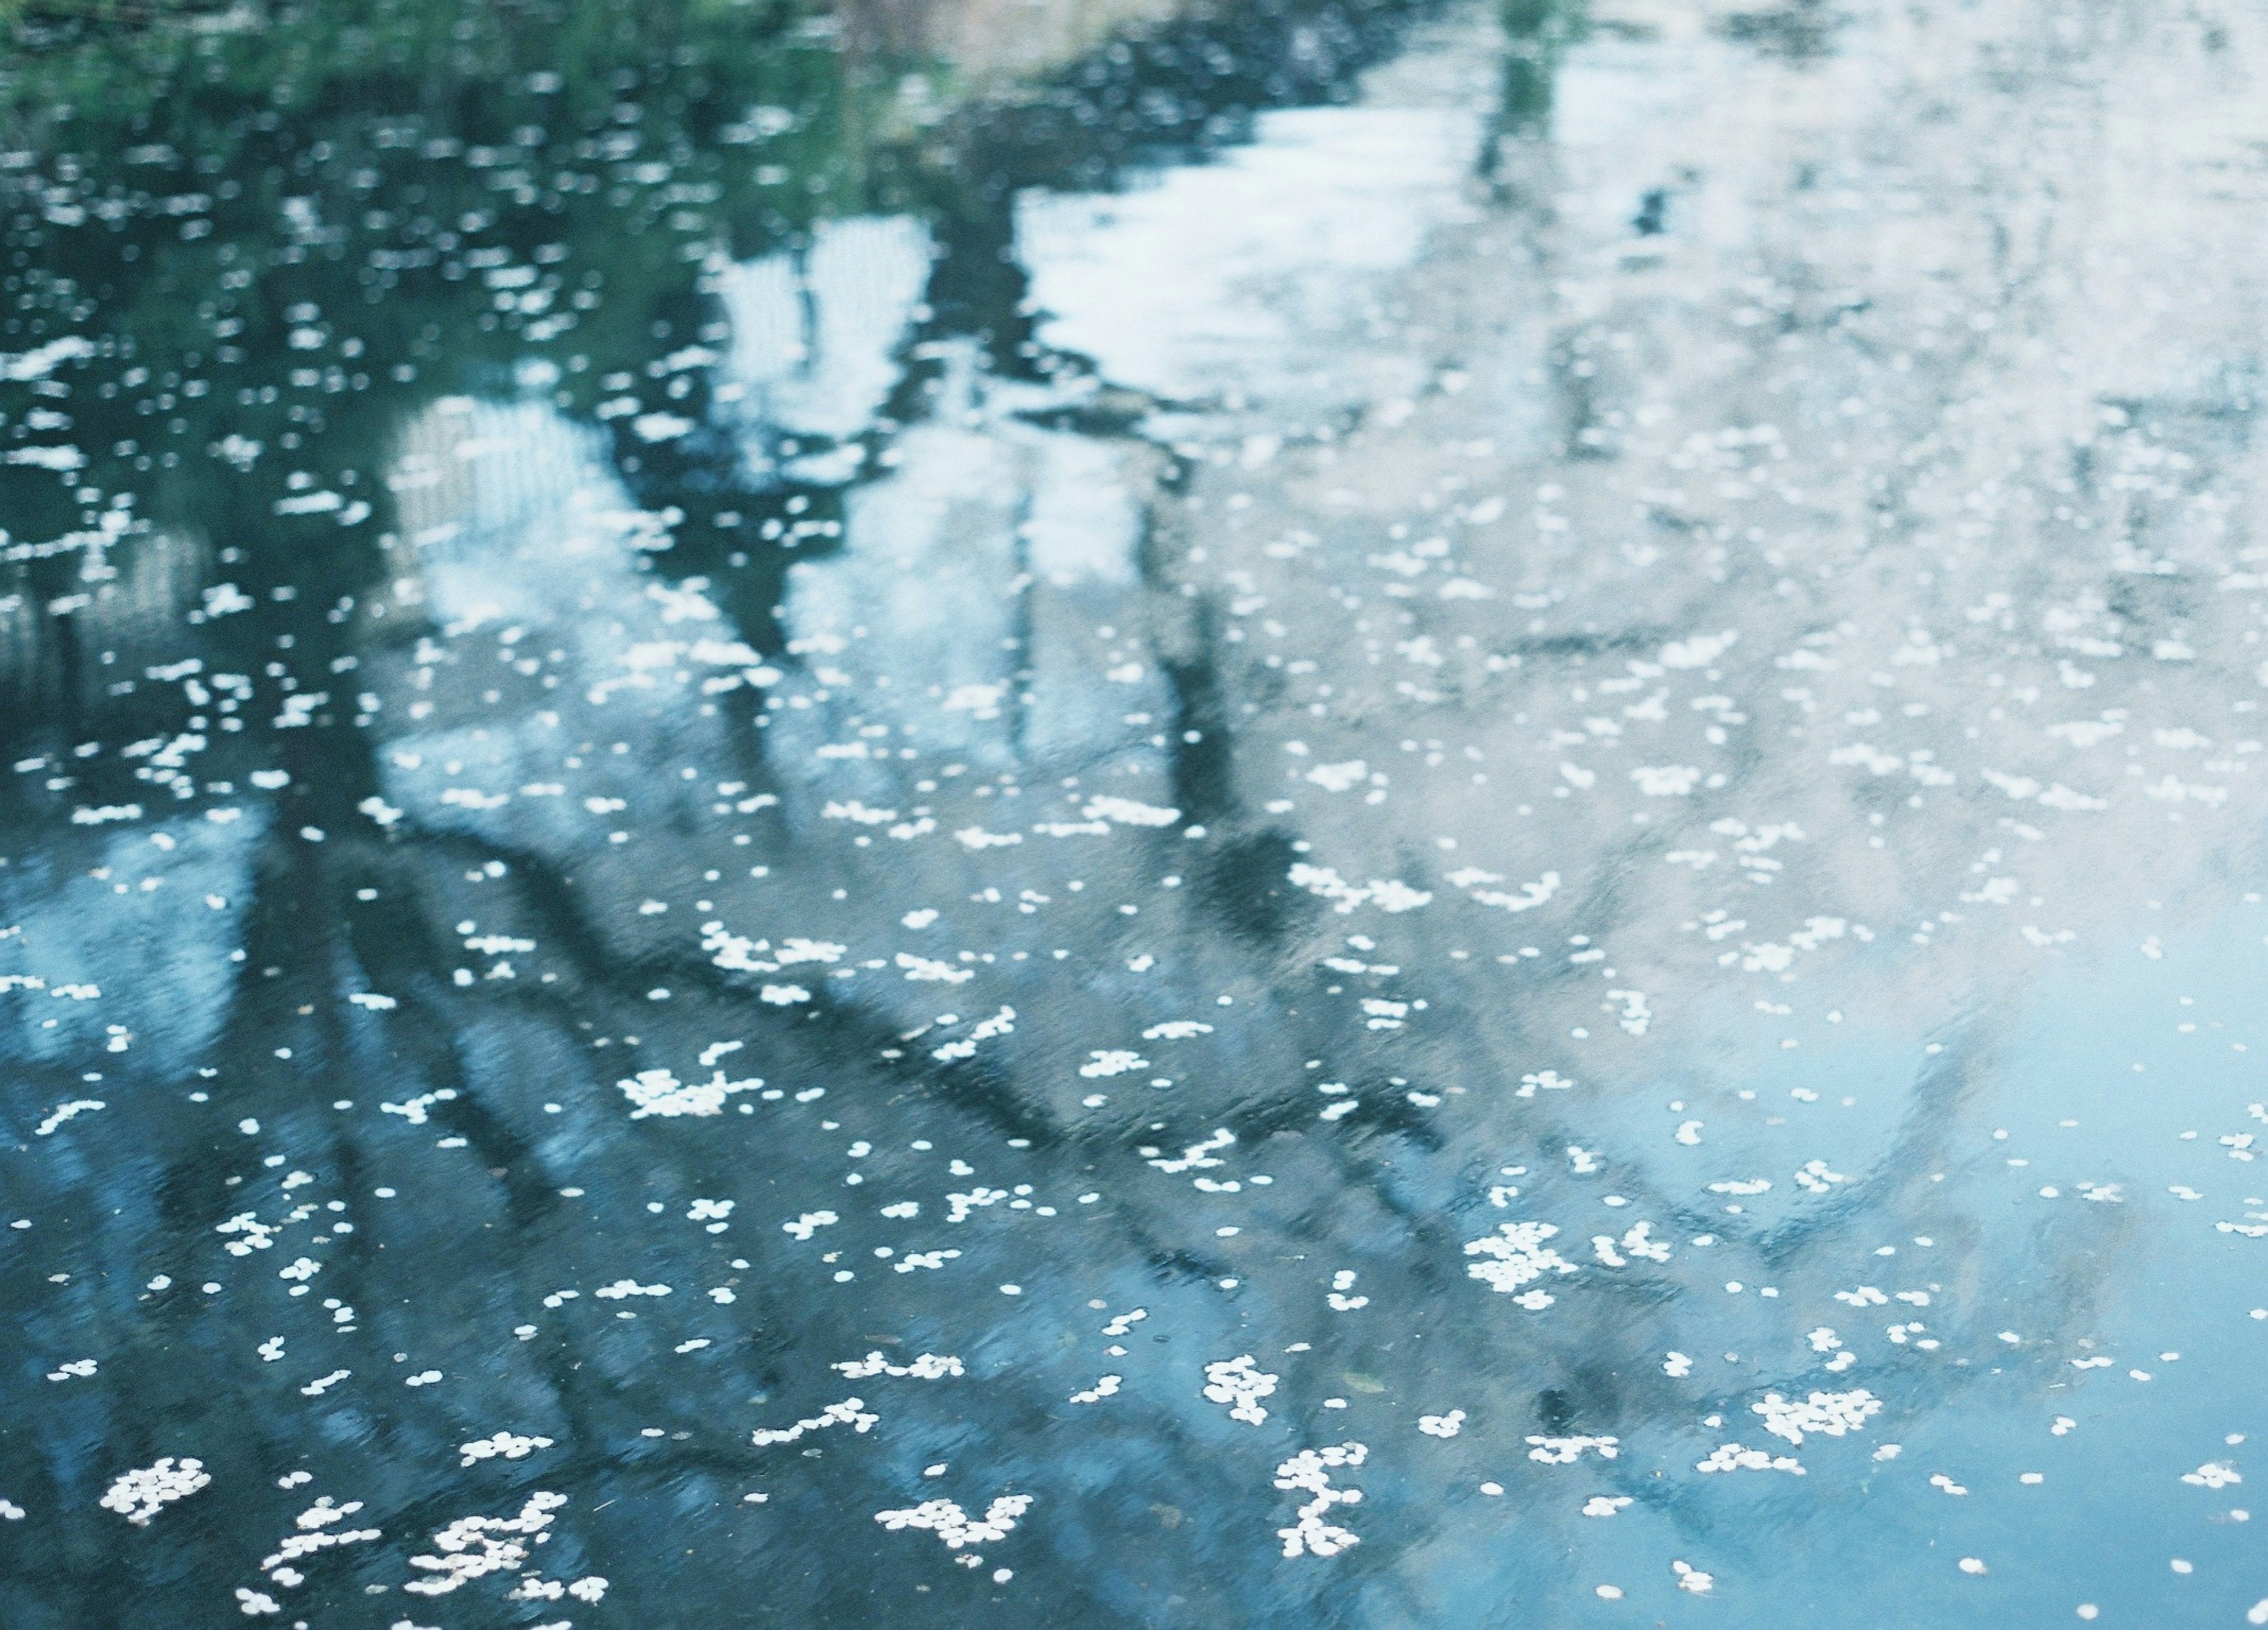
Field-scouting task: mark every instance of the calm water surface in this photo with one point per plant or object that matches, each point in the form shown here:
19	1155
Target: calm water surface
1370	814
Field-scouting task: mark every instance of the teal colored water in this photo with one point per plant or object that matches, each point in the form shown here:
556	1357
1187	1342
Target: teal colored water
1369	815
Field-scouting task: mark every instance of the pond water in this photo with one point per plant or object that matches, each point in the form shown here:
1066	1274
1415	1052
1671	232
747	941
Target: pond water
1365	814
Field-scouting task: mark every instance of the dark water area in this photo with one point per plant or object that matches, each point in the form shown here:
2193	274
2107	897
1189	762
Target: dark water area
1359	813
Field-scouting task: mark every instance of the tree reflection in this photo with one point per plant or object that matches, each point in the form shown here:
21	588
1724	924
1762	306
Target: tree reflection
246	253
